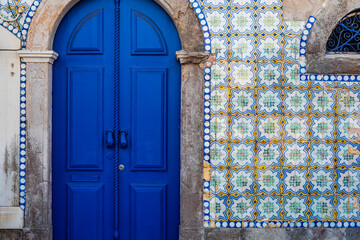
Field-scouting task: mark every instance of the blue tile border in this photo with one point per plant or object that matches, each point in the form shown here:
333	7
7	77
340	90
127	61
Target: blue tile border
287	224
28	20
22	186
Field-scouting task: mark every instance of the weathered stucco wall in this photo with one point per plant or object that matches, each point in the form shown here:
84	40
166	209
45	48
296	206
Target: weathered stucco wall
295	10
9	119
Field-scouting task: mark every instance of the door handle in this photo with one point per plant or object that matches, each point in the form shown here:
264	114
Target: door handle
123	139
109	139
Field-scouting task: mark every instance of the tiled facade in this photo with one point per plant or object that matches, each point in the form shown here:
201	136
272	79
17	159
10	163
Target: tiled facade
283	144
281	147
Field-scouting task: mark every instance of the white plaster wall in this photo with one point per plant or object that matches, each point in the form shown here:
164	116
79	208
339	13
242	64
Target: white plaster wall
9	118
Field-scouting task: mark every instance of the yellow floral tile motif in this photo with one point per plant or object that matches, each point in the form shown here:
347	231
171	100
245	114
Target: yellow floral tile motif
282	152
16	16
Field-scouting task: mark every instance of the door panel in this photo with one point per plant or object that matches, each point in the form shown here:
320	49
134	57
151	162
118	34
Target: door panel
147	39
83	111
158	73
87	37
149	119
154	208
85	101
78	211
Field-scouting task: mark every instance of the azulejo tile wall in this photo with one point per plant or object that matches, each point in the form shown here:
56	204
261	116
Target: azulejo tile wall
283	146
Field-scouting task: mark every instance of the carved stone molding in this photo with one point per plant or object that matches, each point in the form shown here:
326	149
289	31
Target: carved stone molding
186	57
38	56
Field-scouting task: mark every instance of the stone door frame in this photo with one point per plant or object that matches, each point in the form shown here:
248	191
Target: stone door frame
39	58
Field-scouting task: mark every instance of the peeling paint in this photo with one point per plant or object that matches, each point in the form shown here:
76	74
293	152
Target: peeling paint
211	60
207	171
353	151
354	131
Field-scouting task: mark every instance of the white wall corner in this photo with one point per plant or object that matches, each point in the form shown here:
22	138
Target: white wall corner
8	41
11	218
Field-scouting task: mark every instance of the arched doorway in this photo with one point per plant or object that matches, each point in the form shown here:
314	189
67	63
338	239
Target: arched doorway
39	58
116	123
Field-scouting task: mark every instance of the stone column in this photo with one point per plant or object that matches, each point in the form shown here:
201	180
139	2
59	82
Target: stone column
38	223
192	144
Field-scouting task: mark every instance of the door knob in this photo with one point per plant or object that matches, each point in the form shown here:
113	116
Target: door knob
123	139
121	167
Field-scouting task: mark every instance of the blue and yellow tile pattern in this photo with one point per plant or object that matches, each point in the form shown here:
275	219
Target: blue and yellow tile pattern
16	16
282	149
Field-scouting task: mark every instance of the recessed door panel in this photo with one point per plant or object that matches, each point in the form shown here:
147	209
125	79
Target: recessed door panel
87	37
149	105
85	211
85	118
147	38
148	206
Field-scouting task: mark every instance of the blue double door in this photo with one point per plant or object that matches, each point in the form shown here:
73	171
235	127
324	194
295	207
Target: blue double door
88	201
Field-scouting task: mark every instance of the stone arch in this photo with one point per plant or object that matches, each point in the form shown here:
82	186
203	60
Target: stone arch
39	58
50	13
327	18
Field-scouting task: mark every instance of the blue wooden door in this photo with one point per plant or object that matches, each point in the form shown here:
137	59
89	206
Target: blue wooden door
84	203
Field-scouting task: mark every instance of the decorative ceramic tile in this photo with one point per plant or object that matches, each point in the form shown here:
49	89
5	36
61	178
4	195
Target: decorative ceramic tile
283	143
16	16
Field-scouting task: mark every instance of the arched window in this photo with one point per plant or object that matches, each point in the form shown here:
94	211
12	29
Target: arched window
345	37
